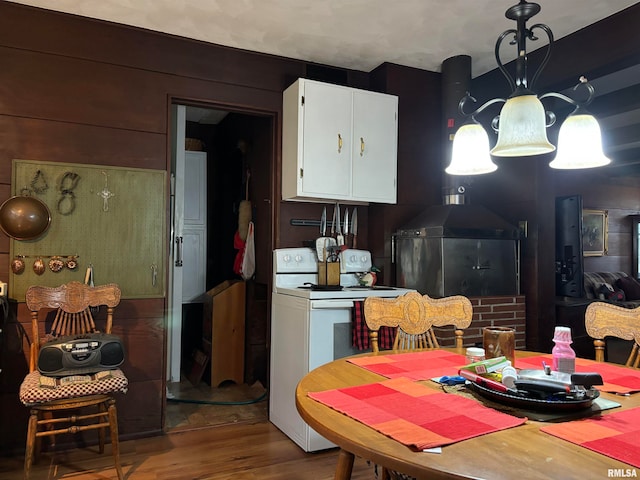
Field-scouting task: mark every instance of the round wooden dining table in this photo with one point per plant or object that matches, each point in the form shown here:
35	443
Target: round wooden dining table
523	452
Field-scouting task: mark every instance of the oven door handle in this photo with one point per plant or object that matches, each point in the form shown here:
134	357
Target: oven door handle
330	304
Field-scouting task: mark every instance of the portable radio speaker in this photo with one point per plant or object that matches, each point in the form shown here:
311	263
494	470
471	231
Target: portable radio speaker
77	355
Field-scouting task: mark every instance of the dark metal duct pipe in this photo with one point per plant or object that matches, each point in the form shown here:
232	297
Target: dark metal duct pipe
456	82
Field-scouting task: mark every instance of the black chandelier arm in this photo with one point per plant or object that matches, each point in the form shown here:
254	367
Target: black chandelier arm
583	82
520	37
478	110
560	96
547	55
501	66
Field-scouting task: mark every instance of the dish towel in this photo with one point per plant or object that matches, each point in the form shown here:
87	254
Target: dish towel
415	415
386	335
416	366
614	435
616	378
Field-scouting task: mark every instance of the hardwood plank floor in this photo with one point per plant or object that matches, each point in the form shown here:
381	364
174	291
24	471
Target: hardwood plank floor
238	452
230	404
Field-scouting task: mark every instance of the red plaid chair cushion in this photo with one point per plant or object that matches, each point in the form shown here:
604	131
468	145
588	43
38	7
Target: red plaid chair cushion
32	393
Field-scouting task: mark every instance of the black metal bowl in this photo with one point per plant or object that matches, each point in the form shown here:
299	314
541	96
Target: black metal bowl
24	217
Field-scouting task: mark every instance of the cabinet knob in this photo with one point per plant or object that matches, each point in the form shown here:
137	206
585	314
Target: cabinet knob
339	143
361	146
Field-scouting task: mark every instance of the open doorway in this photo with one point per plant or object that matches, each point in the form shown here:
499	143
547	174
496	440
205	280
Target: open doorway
233	151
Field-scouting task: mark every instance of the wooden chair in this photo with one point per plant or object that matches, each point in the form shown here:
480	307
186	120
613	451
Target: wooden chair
415	315
52	409
604	319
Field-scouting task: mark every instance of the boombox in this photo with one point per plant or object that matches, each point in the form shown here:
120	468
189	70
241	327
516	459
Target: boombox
78	355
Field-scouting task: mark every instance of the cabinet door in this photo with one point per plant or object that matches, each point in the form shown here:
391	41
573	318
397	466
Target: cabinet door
326	164
375	146
195	195
194	260
194	233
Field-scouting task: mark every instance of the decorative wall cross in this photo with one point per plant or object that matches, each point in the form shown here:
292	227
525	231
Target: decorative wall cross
105	193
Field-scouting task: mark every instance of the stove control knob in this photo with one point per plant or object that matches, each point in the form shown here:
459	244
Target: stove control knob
286	258
298	258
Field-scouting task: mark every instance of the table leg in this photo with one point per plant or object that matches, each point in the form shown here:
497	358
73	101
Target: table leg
344	466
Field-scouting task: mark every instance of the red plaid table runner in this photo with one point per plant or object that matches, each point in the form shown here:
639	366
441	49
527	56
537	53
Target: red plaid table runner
413	365
614	435
616	378
416	415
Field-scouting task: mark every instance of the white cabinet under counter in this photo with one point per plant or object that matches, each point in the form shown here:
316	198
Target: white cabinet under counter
338	143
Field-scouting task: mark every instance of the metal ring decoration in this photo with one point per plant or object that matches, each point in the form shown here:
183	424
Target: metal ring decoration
67	203
39	184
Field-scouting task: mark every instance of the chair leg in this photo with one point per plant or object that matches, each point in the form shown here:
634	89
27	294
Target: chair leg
599	347
115	446
31	440
101	435
50	440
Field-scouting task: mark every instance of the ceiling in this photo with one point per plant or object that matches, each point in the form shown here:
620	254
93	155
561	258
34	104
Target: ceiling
355	34
361	34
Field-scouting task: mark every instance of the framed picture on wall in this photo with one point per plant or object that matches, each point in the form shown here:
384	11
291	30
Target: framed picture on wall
595	224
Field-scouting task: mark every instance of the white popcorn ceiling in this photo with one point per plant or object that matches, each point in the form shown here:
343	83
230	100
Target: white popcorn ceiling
355	34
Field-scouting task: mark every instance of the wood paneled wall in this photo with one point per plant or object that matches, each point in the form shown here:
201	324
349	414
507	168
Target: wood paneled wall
83	91
78	90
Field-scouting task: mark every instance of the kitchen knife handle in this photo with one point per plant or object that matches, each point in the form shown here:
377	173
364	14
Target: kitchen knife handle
361	146
339	143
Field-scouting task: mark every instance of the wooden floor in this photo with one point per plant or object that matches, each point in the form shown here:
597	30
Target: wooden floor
195	406
204	441
238	452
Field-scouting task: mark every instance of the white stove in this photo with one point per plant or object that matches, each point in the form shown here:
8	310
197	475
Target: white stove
296	274
311	326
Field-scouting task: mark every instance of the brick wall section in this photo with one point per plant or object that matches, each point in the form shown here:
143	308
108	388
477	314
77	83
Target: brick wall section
499	311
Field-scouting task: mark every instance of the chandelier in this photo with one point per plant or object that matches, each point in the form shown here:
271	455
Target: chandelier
522	122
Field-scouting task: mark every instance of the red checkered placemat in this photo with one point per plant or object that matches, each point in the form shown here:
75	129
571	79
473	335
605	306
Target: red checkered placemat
616	378
413	365
416	415
614	435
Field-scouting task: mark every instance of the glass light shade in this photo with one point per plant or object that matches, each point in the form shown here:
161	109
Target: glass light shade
470	152
579	144
522	128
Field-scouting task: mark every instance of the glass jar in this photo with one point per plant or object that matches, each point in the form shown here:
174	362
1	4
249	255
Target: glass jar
475	354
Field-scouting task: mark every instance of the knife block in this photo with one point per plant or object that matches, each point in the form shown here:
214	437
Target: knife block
328	273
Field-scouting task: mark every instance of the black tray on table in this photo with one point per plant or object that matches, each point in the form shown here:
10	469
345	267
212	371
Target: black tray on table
529	403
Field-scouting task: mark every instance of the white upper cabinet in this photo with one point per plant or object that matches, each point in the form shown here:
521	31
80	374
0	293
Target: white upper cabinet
338	143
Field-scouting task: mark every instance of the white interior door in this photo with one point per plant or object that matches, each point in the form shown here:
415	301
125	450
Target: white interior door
188	236
194	242
174	329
